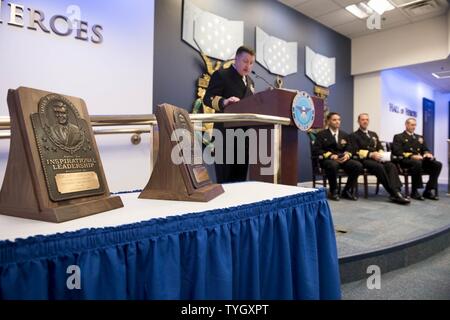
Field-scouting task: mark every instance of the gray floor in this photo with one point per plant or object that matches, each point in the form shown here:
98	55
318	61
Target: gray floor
376	222
426	280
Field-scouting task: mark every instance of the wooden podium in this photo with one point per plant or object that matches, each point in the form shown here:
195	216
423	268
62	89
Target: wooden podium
276	102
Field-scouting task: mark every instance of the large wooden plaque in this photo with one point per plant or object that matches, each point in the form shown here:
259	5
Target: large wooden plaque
54	172
187	180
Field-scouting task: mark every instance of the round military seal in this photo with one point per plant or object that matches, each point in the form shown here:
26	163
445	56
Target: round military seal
303	111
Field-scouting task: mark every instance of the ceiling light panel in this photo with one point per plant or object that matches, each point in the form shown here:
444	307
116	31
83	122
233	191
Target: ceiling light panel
380	6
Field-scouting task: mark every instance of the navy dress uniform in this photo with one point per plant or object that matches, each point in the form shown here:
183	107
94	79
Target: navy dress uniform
366	142
226	83
326	145
406	145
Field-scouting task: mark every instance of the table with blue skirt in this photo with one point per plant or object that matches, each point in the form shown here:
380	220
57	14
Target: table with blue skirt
255	241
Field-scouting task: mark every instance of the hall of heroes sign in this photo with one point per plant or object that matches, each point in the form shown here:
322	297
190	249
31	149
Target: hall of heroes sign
400	110
60	25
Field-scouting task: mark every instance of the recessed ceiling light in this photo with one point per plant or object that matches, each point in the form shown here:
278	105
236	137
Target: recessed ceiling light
365	8
380	6
442	74
358	10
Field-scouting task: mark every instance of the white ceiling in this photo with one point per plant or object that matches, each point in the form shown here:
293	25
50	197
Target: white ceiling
424	72
332	14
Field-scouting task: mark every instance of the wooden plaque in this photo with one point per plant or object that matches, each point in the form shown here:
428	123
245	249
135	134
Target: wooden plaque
319	105
54	172
187	180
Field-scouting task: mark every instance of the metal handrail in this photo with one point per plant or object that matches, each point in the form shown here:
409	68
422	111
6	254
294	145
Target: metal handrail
150	119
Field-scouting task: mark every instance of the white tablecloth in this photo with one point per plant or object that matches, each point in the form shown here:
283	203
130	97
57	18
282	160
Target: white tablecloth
136	210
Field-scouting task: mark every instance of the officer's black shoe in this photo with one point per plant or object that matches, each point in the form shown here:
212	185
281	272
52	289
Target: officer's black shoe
417	196
333	195
430	194
347	194
399	198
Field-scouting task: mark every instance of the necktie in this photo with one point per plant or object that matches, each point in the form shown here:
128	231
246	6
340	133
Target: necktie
335	137
244	80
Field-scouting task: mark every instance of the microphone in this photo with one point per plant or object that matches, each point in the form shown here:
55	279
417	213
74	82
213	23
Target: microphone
259	77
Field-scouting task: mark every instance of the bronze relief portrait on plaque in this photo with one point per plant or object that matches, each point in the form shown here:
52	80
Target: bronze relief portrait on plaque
61	122
70	164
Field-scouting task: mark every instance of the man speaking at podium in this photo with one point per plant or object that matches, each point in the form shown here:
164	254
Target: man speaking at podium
228	86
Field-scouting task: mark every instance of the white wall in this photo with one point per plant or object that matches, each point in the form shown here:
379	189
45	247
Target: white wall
448	25
415	43
114	77
367	99
441	135
377	83
375	91
404	90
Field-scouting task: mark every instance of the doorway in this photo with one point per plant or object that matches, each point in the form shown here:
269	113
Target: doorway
428	123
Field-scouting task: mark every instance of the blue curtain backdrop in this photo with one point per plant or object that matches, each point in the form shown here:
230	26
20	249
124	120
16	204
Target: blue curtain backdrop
279	249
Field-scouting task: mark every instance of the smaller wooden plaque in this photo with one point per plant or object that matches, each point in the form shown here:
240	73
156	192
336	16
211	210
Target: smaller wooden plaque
189	180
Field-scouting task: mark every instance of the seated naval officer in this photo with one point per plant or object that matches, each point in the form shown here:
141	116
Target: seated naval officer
370	151
417	158
228	86
335	147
